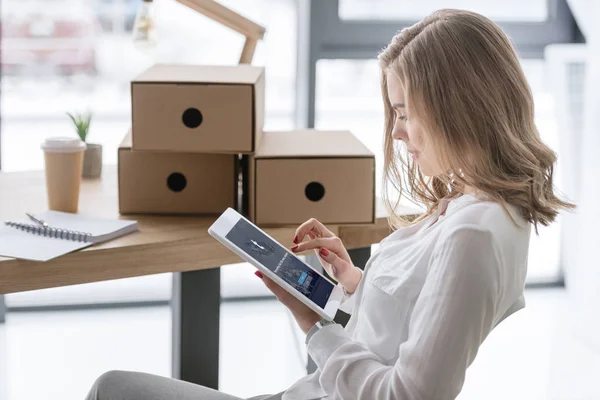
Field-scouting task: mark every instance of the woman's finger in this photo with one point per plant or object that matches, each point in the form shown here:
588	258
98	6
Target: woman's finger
280	293
338	267
331	243
303	314
313	226
285	297
272	286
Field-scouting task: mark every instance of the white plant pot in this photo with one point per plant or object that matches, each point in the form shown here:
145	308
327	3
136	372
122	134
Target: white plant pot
92	161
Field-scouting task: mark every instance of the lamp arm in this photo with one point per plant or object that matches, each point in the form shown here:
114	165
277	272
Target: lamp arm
225	16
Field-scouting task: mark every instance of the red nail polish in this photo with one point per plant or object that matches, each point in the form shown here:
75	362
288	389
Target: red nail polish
259	274
294	248
295	239
324	252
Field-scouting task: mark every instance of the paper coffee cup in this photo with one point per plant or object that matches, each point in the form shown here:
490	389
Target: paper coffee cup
64	163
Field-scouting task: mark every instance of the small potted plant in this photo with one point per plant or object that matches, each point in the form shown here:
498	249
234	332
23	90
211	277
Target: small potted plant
92	158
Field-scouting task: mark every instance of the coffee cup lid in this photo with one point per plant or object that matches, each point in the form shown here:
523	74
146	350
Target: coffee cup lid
63	145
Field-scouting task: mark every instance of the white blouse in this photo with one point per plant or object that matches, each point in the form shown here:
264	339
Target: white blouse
429	296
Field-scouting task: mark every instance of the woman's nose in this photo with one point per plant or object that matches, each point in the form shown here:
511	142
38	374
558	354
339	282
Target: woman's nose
399	133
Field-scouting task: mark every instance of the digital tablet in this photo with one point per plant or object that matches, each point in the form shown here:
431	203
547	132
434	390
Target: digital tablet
277	262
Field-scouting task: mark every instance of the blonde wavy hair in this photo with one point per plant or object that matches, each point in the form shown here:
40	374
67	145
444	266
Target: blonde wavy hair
463	82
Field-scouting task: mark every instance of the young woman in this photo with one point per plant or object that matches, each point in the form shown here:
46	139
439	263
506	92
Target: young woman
457	103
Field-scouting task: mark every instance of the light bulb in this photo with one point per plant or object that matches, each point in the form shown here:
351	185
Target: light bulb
144	29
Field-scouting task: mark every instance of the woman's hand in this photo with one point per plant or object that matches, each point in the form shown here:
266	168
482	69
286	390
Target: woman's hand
330	251
305	317
334	258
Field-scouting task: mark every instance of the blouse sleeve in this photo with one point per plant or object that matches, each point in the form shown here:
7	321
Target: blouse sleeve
453	314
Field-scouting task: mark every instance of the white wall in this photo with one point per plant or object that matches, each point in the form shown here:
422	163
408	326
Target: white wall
583	267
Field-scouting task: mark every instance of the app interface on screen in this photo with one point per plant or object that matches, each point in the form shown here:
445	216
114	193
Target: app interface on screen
285	265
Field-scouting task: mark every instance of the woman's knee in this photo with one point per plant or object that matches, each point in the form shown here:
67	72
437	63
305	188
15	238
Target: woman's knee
108	385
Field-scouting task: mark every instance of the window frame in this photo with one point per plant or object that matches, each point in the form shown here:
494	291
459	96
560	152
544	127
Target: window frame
322	34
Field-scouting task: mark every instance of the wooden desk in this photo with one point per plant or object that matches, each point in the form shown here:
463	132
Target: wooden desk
163	244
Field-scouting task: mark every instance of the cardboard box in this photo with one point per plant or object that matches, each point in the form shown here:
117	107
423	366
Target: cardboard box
295	176
204	109
176	183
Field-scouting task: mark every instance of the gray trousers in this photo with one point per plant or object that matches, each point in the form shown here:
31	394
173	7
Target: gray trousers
122	385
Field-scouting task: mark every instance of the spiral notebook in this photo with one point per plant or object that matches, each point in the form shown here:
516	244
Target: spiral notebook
65	233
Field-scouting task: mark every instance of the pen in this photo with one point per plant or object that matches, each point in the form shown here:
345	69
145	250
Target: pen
39	221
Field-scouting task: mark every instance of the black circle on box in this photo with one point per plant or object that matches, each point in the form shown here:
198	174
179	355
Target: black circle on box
176	182
314	191
192	118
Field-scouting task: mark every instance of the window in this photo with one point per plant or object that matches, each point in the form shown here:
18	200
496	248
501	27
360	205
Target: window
508	10
63	56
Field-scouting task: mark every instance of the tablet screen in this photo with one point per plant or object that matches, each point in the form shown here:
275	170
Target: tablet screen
289	268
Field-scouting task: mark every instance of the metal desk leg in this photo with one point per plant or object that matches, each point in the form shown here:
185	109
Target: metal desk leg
2	309
359	258
196	311
3	364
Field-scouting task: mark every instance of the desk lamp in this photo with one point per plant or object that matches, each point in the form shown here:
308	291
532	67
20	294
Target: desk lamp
144	30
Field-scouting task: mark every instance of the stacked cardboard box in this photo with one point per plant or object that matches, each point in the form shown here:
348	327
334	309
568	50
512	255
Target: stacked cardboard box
197	133
189	123
294	176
